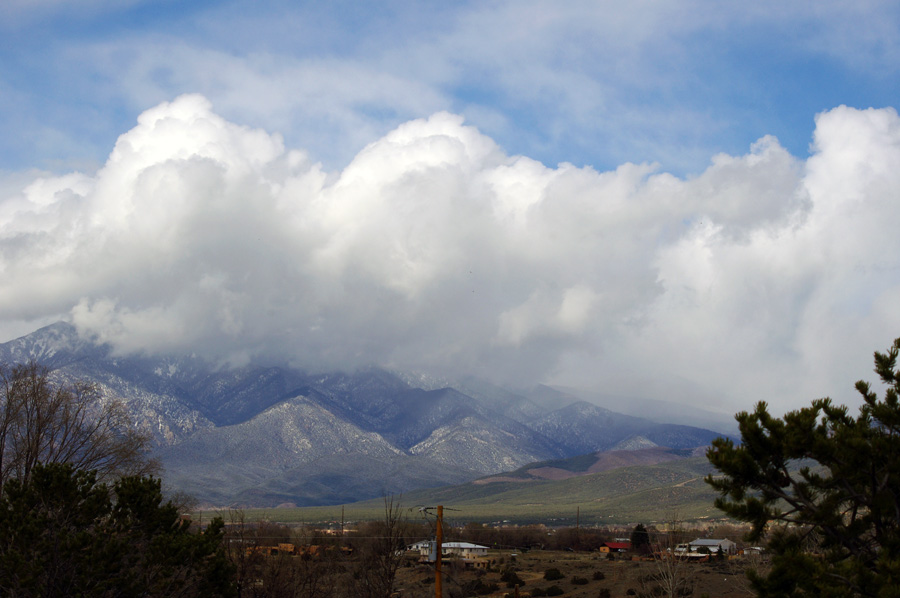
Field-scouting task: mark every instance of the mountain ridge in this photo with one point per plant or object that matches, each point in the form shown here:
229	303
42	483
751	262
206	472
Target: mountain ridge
262	436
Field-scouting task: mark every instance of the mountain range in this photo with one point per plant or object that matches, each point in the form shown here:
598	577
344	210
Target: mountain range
266	436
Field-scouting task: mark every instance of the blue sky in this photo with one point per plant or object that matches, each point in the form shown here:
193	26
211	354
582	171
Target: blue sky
591	83
526	191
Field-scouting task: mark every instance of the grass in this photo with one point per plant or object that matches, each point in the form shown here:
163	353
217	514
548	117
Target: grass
647	494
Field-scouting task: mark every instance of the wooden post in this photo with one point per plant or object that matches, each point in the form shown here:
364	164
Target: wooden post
438	586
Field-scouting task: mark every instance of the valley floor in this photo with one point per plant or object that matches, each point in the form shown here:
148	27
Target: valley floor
621	577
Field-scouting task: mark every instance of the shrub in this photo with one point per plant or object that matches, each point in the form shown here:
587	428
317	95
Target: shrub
579	581
511	578
599	576
479	588
553	574
537	592
555	591
604	593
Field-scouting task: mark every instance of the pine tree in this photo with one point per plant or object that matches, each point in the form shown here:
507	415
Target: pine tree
64	534
824	487
640	539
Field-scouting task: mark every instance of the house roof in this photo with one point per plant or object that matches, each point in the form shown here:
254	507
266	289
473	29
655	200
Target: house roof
618	545
462	545
710	542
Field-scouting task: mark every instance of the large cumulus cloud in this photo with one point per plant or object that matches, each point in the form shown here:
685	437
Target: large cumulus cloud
765	277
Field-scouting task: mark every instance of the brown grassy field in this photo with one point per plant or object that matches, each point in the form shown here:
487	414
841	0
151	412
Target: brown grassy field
621	577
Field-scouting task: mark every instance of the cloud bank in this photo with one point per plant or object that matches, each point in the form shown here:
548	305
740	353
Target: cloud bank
765	277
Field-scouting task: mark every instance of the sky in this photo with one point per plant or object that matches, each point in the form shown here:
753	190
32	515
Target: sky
692	201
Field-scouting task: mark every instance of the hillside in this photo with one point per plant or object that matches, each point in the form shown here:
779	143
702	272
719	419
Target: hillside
652	494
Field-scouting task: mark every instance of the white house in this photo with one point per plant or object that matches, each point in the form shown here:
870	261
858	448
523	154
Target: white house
713	546
465	550
420	546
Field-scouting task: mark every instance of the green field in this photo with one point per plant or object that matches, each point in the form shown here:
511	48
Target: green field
649	494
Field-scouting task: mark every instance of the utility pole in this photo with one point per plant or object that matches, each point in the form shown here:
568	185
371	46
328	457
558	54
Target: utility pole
438	584
578	528
438	547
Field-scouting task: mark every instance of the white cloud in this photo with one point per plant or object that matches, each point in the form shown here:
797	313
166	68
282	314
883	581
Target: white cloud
792	308
333	105
764	277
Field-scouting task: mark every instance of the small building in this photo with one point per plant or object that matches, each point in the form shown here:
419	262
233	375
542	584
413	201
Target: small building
420	546
615	547
464	550
713	546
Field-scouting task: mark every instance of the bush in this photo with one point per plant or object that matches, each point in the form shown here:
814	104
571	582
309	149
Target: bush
579	581
599	576
478	587
536	592
553	574
511	578
630	592
604	593
555	591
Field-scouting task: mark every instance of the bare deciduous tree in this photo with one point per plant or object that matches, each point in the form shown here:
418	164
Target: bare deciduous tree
240	542
753	564
262	574
379	553
673	573
43	421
